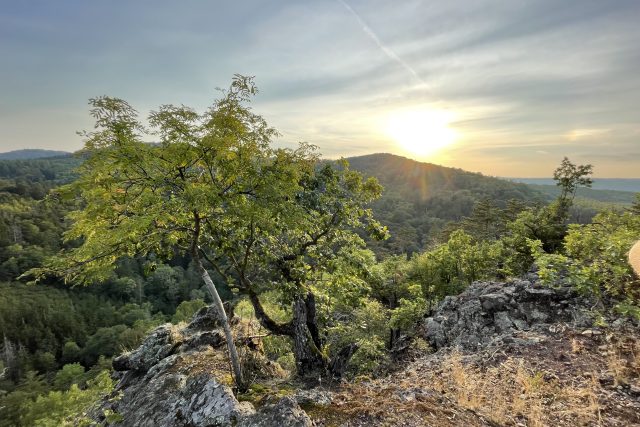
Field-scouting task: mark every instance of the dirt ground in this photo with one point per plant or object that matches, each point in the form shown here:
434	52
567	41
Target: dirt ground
561	377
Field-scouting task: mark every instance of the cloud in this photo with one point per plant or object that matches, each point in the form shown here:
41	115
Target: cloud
521	77
387	51
578	134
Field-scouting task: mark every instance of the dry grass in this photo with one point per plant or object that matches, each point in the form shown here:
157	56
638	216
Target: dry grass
623	361
568	379
577	346
513	394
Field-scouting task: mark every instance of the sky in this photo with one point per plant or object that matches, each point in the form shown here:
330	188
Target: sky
506	88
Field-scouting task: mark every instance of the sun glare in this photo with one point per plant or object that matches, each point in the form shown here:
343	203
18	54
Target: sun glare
421	132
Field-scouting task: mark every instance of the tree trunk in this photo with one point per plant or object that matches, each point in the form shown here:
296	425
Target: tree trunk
217	302
340	361
312	319
394	335
309	358
305	333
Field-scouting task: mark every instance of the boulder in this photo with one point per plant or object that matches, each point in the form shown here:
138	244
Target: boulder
486	312
285	413
180	377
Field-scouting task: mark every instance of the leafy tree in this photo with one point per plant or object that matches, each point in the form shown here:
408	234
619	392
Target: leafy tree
486	221
450	267
547	224
72	373
71	352
187	309
147	199
569	177
66	408
215	188
293	242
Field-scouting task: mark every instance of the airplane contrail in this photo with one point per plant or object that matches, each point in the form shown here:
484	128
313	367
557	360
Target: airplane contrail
387	51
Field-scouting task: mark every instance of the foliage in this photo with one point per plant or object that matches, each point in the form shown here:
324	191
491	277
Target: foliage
635	207
66	408
409	310
186	310
72	373
449	268
366	326
420	199
44	327
595	259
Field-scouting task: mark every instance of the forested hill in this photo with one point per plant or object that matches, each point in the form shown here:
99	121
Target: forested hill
418	202
419	199
422	181
631	185
33	178
31	154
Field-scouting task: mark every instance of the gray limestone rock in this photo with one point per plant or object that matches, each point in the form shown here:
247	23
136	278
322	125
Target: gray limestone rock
170	381
487	311
285	413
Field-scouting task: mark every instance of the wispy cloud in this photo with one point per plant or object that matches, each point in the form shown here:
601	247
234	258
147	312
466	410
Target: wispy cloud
577	134
385	49
331	74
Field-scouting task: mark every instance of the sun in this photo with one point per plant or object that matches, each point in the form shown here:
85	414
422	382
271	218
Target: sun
421	132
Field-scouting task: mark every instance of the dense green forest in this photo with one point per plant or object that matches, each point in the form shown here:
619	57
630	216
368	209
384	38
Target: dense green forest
317	248
29	154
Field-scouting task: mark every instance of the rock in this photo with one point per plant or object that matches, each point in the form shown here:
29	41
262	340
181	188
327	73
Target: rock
314	397
163	398
435	331
171	381
205	319
156	347
493	302
502	321
214	339
487	311
285	413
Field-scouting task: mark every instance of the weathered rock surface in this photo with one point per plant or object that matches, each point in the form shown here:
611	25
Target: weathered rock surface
178	377
285	412
491	312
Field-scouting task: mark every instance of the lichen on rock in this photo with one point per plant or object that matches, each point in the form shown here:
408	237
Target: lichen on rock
179	377
488	312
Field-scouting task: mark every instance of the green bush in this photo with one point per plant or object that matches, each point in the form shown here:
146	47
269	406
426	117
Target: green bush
66	408
595	259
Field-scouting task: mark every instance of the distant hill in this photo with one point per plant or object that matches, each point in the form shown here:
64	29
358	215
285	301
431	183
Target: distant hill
421	198
616	184
31	154
33	178
605	196
423	181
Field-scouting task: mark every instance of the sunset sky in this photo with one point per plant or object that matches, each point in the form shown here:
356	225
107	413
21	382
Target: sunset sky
505	88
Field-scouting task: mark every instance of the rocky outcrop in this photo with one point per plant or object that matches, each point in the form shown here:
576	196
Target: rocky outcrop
488	312
180	377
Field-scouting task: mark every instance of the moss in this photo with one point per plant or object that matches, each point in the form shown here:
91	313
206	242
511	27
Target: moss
260	394
328	415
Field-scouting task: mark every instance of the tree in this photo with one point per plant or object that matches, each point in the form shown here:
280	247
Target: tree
213	187
142	199
486	221
290	243
569	177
